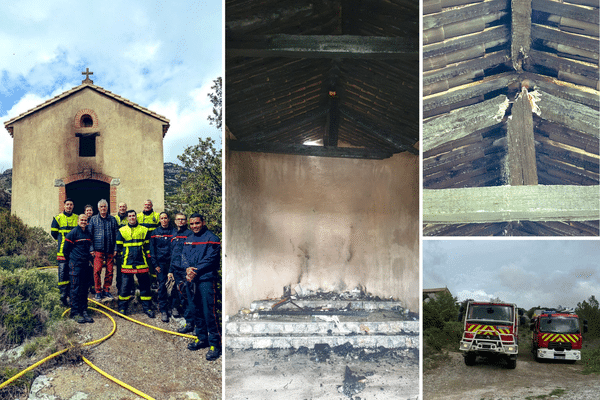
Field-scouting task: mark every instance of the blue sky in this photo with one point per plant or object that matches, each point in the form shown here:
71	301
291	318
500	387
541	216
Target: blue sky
529	273
163	55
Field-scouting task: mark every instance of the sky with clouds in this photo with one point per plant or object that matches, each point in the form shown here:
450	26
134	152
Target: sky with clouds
163	55
530	273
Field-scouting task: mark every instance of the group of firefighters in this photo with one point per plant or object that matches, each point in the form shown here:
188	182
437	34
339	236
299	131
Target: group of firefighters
184	262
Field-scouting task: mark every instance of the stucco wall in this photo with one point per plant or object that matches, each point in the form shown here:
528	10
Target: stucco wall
325	223
129	148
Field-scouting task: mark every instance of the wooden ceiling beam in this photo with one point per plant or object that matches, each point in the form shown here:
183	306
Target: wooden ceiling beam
521	161
321	46
511	203
315	151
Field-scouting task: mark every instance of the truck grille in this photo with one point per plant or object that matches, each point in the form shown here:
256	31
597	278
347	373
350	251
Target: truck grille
559	346
487	337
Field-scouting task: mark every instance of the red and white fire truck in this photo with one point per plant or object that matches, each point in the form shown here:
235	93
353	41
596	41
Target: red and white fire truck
556	335
490	329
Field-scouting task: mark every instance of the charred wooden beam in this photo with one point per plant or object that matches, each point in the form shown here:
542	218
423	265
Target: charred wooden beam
511	203
579	73
469	91
433	6
521	32
463	122
261	136
564	42
448	76
318	46
403	144
330	136
465	13
315	151
521	165
461	28
465	48
563	90
566	11
570	114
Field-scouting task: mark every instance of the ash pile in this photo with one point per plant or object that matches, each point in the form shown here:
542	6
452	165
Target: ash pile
307	320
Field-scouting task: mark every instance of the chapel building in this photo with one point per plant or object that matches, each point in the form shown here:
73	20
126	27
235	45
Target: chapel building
86	144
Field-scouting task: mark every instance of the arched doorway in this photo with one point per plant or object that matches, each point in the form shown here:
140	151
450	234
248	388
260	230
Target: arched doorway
88	191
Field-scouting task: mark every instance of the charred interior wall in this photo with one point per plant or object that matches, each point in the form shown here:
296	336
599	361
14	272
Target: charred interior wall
325	223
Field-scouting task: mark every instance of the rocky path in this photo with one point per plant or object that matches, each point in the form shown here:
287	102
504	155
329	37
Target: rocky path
156	363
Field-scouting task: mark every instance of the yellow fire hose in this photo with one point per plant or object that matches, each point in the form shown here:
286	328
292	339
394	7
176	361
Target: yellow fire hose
140	322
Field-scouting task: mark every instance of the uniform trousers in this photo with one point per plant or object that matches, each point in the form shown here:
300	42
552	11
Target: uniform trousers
80	277
64	282
127	290
203	294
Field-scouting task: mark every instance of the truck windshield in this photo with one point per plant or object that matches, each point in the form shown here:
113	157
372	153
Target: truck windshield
496	313
559	325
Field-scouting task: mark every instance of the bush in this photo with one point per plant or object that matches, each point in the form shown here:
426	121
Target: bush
18	239
29	299
591	361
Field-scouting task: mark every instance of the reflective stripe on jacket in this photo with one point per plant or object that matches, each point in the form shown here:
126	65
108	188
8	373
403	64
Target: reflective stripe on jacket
150	221
133	244
61	225
160	247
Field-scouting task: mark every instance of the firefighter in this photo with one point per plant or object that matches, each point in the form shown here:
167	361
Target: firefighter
160	256
133	243
150	219
61	225
121	218
77	250
200	258
182	308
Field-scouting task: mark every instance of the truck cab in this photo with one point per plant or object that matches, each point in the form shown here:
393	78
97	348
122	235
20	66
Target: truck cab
490	329
556	335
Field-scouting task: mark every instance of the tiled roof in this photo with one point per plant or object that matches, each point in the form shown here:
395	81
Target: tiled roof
76	89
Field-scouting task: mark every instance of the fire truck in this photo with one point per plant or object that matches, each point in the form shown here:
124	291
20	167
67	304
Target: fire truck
490	329
556	335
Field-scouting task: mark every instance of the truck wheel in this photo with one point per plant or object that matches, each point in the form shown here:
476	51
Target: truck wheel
470	359
511	364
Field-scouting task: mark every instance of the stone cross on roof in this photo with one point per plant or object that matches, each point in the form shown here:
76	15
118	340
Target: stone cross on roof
87	74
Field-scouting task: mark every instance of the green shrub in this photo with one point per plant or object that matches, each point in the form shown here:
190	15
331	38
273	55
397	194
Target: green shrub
591	361
29	299
13	233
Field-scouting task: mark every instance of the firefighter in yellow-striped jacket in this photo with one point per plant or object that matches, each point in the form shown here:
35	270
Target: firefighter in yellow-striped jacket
133	243
61	225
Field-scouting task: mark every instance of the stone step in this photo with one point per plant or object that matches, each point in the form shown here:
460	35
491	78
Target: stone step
300	328
365	305
407	341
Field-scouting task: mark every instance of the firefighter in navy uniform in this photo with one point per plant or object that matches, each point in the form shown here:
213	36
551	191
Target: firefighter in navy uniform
200	258
150	219
160	256
133	241
77	249
178	273
61	225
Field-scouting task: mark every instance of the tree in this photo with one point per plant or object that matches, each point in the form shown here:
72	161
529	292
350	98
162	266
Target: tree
590	310
201	187
216	97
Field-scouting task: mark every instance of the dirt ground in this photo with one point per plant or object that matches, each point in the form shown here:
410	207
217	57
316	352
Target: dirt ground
156	363
326	373
453	380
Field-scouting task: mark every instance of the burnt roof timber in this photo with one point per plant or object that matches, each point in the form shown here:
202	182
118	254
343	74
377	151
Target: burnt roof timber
520	160
558	64
464	13
511	203
395	139
316	151
321	46
566	10
456	125
568	113
562	90
302	119
456	95
554	35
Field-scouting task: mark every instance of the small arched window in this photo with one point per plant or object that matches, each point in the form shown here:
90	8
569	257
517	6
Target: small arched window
86	121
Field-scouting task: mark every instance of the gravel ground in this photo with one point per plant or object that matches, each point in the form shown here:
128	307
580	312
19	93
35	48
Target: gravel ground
156	363
453	380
